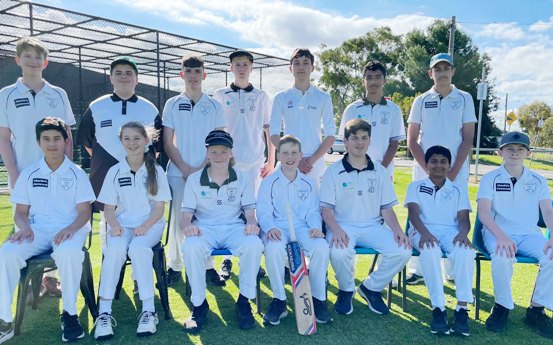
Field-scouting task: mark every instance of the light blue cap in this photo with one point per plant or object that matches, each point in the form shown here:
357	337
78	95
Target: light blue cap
441	57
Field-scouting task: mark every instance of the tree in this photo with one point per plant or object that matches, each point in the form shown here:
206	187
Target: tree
530	114
546	133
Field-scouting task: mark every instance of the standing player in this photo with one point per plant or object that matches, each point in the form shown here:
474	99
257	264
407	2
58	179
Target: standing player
384	116
443	115
216	197
357	198
187	120
134	194
52	198
22	105
287	185
439	221
509	201
300	110
247	111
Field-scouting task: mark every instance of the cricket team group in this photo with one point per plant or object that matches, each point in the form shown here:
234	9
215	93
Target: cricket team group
229	191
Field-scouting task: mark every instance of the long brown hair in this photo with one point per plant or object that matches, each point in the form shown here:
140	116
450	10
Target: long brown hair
149	155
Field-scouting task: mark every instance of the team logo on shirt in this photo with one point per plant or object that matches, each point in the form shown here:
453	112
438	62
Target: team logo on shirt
372	185
105	123
303	194
290	104
40	182
124	181
432	104
384	117
185	107
455	104
252	103
21	102
347	185
66	183
529	186
448	194
311	107
204	108
502	187
52	102
231	193
427	190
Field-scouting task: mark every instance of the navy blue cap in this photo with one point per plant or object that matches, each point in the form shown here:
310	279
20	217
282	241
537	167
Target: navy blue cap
219	137
515	138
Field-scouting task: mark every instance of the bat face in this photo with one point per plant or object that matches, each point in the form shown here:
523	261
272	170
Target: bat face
303	301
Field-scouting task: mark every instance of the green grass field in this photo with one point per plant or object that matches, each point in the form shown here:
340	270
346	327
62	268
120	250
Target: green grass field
363	326
538	160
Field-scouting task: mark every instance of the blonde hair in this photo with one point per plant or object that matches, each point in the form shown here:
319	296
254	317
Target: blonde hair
33	43
288	139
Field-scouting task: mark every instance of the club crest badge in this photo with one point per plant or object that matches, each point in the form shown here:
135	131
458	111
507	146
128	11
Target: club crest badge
204	109
231	193
448	194
455	104
52	102
384	117
66	183
303	194
529	186
372	185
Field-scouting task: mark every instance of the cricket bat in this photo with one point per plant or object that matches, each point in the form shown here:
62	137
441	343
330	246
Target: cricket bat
299	277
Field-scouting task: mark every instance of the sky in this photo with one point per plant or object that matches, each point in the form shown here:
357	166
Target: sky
517	35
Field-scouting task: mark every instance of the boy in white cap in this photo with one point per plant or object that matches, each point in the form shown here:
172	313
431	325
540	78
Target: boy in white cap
439	221
53	198
287	185
509	201
216	201
357	198
443	115
300	110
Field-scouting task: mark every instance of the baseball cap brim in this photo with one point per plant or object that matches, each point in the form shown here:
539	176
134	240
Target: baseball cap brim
124	61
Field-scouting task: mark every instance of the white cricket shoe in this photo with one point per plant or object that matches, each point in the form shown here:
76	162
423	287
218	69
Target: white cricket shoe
104	327
146	324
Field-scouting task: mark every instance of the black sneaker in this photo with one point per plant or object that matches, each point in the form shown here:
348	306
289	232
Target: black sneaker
439	322
537	319
214	278
277	310
414	279
461	322
497	321
244	313
261	273
71	327
6	331
173	277
321	311
197	320
343	303
226	269
374	300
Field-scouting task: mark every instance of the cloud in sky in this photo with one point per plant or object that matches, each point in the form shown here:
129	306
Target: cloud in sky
503	31
541	26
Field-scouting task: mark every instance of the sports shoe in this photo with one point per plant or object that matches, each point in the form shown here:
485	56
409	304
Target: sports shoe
343	303
537	319
50	286
6	331
497	321
321	311
414	279
173	277
277	310
439	322
71	327
104	327
226	269
214	278
374	300
244	313
197	320
461	322
147	322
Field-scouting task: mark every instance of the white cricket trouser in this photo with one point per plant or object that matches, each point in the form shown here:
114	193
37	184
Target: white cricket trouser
316	249
461	258
378	237
502	269
197	250
68	255
139	249
176	237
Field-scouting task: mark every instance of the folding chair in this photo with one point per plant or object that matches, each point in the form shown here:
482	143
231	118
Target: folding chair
370	251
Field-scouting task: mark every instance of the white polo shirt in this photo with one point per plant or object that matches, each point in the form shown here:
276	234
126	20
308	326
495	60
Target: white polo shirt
515	206
301	115
386	124
247	111
276	191
438	206
191	123
129	192
441	120
52	195
357	196
215	205
20	111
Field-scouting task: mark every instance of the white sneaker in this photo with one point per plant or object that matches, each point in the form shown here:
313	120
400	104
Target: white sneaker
147	324
104	327
6	331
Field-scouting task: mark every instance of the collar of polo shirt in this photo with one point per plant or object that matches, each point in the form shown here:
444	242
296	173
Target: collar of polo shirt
45	169
204	179
383	101
349	168
235	88
116	98
47	88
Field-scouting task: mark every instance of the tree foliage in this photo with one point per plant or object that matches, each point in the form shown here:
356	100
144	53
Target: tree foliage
530	114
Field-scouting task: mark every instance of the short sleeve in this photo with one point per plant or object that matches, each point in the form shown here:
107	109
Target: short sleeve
220	120
485	189
163	191
248	196
415	116
189	201
108	194
20	193
69	117
86	134
411	195
469	114
266	105
167	116
85	193
329	126
464	203
544	190
388	197
328	190
398	130
276	116
264	208
4	109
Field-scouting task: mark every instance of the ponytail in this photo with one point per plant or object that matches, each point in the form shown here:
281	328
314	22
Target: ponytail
150	162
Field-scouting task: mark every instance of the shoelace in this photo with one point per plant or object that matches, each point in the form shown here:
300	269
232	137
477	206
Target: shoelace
145	316
104	319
